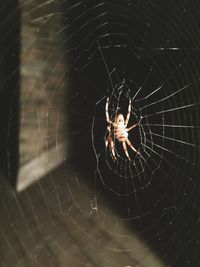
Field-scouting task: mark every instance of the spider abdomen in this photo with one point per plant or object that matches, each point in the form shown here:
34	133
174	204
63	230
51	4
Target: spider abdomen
120	134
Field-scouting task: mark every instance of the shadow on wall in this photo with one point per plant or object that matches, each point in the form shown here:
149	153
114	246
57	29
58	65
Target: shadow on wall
9	89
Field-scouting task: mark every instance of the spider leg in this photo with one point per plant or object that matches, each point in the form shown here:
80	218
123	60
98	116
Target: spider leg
112	146
129	113
131	146
125	150
106	142
130	128
106	110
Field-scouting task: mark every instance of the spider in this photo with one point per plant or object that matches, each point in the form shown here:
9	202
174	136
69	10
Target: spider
118	130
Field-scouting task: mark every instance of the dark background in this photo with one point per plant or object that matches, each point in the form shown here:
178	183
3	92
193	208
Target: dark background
139	39
9	89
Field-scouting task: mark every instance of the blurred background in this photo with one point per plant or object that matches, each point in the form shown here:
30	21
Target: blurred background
64	201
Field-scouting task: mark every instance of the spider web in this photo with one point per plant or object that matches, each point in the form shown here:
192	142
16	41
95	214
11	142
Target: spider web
165	136
146	51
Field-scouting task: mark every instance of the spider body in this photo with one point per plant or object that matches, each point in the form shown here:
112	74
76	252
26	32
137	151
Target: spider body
118	130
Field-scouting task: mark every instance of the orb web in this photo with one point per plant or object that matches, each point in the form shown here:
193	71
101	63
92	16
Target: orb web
164	121
146	51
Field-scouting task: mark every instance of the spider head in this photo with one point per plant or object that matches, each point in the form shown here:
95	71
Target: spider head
120	120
